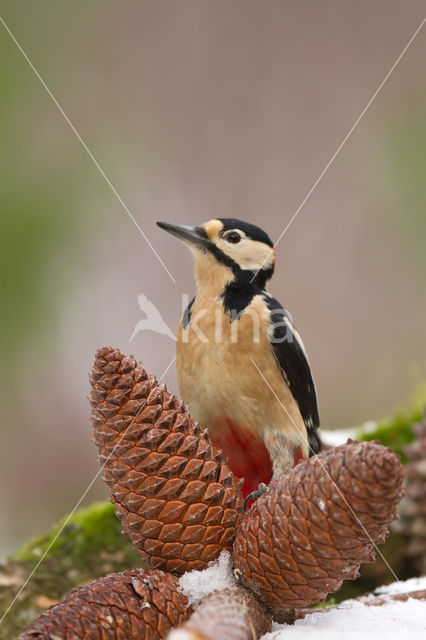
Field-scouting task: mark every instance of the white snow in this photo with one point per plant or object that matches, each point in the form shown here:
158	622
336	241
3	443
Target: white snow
180	634
413	584
352	620
336	437
196	585
356	620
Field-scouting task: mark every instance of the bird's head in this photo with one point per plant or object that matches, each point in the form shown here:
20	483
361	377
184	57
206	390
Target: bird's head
226	249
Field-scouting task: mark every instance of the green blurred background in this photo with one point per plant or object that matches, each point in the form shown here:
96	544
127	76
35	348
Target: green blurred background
197	109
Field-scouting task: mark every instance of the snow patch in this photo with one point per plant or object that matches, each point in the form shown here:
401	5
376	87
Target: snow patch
354	620
413	584
181	634
336	437
196	585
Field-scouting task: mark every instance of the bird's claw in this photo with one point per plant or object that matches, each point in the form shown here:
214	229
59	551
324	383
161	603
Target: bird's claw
254	495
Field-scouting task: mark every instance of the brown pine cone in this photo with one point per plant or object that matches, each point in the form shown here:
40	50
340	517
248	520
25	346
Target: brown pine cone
300	540
413	507
135	604
231	613
176	497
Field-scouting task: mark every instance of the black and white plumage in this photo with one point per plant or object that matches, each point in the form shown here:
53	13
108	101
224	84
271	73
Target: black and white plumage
290	353
252	387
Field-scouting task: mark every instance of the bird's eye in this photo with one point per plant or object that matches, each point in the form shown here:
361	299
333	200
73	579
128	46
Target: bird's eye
233	236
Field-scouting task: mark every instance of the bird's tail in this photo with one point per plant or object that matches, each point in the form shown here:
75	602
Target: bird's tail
315	444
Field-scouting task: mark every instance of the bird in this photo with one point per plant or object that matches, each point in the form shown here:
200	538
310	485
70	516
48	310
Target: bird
242	368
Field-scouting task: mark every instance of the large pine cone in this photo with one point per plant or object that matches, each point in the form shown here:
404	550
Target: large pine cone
413	507
317	523
133	605
231	614
175	495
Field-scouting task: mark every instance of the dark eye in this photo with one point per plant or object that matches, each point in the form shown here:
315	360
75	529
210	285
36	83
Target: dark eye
233	236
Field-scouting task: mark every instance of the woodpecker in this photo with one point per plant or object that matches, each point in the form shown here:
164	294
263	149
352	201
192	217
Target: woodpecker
241	365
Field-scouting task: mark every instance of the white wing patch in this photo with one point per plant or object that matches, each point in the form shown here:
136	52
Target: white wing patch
296	335
288	321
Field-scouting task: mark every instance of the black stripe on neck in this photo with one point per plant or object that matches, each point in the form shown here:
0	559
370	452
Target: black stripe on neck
240	292
224	259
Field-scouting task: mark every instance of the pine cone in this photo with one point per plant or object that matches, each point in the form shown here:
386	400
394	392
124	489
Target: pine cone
300	540
134	604
232	613
413	507
176	497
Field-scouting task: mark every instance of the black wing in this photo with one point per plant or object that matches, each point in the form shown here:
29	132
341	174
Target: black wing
291	357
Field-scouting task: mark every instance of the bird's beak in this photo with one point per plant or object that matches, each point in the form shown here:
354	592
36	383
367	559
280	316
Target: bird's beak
191	235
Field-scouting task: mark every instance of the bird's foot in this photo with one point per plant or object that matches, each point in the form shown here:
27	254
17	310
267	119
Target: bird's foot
254	495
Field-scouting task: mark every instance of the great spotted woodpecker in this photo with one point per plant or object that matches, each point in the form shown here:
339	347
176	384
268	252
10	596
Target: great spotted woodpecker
242	368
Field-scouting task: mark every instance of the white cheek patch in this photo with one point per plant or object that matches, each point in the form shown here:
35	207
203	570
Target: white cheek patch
249	254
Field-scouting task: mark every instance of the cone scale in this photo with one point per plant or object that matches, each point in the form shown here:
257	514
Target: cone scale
175	495
316	524
132	605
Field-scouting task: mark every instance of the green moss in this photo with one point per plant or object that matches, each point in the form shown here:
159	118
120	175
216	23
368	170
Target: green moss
397	432
328	602
90	545
88	532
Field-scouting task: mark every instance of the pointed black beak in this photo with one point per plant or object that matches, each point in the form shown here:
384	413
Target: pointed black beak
192	235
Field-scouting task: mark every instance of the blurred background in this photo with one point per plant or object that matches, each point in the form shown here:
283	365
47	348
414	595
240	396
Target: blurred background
198	109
